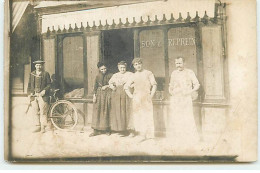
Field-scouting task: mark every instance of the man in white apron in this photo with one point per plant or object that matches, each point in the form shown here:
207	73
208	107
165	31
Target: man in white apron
181	124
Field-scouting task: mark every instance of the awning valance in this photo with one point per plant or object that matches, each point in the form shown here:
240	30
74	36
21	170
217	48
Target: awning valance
141	11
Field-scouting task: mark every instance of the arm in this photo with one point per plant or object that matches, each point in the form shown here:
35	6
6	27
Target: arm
105	87
153	83
95	90
48	84
111	82
108	77
29	86
195	83
127	87
95	86
130	95
153	90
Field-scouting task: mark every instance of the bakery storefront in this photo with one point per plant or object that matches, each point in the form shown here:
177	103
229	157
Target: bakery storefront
73	42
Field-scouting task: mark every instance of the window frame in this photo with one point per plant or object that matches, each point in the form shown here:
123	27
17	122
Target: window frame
59	63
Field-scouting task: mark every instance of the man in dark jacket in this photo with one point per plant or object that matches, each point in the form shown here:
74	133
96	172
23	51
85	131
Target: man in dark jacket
38	92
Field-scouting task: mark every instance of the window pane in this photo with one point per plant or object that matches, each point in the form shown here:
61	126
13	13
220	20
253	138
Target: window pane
73	73
182	42
152	53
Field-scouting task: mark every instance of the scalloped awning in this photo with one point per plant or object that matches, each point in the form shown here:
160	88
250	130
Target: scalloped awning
139	11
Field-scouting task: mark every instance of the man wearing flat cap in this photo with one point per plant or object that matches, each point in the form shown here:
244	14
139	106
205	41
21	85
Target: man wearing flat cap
38	92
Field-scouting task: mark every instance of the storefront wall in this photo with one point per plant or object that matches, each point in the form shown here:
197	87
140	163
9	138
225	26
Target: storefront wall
158	46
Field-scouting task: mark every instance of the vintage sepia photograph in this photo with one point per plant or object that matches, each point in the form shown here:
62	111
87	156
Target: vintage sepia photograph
130	81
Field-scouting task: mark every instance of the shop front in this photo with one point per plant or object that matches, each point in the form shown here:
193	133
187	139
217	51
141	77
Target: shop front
73	43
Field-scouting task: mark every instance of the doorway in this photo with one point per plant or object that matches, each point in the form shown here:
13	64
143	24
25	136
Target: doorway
118	46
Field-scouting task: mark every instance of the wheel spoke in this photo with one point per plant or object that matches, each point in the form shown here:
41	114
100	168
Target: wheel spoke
64	115
59	109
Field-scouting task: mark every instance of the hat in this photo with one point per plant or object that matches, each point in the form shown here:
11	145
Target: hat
39	62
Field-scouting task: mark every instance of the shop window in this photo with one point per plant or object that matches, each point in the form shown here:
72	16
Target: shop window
181	42
73	68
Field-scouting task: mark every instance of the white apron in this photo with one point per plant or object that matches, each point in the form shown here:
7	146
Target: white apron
181	123
143	121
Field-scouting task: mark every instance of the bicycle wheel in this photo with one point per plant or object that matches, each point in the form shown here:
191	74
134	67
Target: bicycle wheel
64	115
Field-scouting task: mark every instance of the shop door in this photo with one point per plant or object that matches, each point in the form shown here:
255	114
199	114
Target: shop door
118	45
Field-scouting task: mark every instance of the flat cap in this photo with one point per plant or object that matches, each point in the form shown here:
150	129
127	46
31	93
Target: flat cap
39	62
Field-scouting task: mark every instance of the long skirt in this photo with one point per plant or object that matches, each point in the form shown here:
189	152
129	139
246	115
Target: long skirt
181	123
143	121
120	110
101	109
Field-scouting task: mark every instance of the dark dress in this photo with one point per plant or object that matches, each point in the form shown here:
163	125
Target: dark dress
120	103
101	109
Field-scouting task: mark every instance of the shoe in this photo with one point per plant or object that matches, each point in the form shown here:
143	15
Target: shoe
42	129
124	134
38	129
48	129
132	134
94	134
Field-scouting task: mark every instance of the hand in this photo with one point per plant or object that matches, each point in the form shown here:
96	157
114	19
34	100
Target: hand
94	99
42	93
29	97
171	90
130	96
113	87
104	87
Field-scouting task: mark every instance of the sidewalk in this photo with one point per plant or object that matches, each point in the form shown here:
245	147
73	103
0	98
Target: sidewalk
61	144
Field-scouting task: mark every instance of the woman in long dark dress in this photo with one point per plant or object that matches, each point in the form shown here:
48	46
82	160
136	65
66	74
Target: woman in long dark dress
120	102
102	102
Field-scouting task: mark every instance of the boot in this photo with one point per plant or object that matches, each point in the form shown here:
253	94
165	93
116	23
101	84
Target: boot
108	133
95	133
42	129
36	129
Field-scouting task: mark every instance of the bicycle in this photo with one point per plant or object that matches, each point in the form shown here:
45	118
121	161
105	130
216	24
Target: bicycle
62	113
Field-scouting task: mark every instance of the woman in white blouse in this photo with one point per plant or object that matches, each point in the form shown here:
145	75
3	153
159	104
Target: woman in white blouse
120	103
